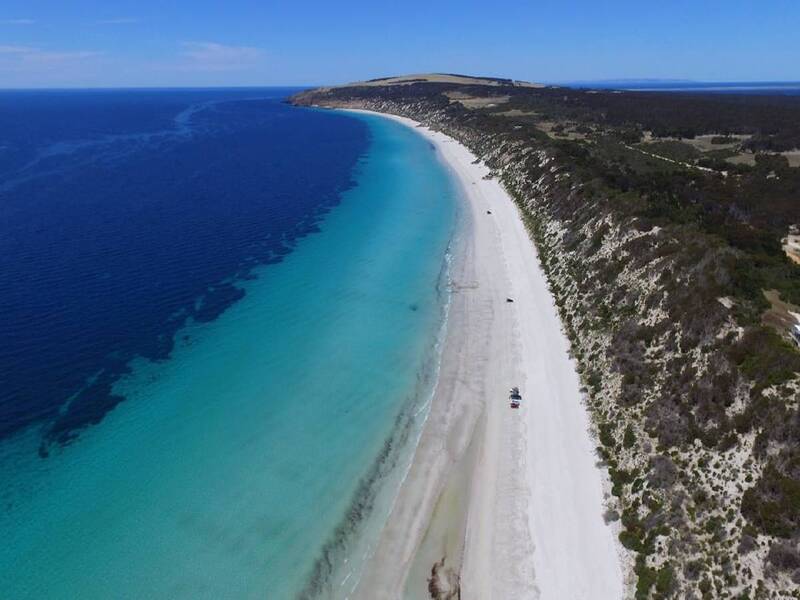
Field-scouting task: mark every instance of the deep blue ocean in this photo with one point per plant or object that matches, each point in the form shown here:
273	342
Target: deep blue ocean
123	214
219	318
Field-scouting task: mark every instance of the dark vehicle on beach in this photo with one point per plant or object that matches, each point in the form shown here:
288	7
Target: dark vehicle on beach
515	397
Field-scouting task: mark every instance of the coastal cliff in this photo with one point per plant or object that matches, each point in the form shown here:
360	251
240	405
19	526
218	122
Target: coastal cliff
692	383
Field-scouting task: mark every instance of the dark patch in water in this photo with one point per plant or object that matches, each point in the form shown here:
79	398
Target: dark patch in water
216	301
123	214
88	407
319	583
361	507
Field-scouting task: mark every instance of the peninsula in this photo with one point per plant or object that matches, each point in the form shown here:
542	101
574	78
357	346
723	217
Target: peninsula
629	264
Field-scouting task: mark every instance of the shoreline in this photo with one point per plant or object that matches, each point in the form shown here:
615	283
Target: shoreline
498	503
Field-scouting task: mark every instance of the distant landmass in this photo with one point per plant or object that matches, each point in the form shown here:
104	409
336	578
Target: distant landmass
687	85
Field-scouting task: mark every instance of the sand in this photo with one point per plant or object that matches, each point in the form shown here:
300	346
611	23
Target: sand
510	499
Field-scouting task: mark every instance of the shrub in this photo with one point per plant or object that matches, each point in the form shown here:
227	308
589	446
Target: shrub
764	357
784	556
773	504
630	540
664	579
606	434
663	472
628	438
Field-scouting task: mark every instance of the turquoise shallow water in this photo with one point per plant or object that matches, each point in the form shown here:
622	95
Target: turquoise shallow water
245	467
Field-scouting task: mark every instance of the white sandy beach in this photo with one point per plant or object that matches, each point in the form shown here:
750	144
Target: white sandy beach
512	498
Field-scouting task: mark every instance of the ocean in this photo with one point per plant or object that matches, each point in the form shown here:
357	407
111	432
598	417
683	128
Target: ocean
219	326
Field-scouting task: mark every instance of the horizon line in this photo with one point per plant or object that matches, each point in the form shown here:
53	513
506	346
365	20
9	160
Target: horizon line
559	83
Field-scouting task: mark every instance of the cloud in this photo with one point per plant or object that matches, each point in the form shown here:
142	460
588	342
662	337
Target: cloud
119	21
15	49
21	58
17	21
210	56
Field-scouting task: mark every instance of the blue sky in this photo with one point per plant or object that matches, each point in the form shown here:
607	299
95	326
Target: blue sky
79	43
